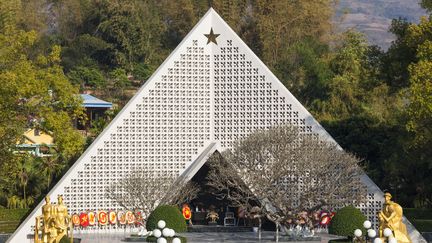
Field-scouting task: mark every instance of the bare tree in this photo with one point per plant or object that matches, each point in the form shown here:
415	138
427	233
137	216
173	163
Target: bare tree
288	171
143	190
181	192
227	184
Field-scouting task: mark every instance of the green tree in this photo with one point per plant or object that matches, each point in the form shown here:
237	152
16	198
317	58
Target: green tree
132	27
24	169
34	93
426	4
179	18
50	166
420	94
142	71
87	77
231	11
284	23
119	79
344	90
398	57
87	51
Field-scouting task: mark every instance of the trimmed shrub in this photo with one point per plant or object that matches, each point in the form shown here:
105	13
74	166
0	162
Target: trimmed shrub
169	239
66	239
171	215
418	213
346	220
422	225
421	218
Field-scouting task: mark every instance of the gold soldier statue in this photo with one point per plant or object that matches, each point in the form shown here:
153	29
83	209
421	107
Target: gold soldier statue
54	222
391	217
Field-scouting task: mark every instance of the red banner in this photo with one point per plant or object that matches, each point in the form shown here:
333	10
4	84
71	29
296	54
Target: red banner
84	221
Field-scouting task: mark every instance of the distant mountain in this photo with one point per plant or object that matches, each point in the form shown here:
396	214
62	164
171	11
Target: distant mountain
373	17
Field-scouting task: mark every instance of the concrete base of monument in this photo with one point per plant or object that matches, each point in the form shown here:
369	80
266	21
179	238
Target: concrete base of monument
218	228
212	223
207	237
135	238
5	237
284	238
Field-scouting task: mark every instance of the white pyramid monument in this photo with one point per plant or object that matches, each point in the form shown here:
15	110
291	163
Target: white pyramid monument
211	91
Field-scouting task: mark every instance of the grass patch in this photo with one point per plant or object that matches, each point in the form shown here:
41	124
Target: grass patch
12	214
11	218
8	226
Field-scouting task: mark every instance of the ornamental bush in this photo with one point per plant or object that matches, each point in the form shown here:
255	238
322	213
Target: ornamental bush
346	220
66	239
171	215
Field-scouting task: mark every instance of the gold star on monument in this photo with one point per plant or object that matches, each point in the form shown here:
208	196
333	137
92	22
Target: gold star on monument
211	37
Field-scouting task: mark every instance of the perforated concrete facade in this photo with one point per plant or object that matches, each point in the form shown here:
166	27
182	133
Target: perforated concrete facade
203	94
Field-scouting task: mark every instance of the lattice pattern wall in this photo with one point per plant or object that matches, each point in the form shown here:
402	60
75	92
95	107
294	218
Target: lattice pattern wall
161	133
246	99
203	92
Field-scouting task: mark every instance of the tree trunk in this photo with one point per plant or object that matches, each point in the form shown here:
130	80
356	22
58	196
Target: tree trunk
259	228
25	198
49	181
277	231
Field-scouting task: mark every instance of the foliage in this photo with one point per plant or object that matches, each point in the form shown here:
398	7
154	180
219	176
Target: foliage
411	164
87	77
119	78
142	71
98	125
65	239
171	215
11	218
427	4
420	218
34	93
346	220
422	225
340	240
417	213
420	93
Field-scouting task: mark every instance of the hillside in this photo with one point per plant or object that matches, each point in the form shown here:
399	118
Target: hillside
373	17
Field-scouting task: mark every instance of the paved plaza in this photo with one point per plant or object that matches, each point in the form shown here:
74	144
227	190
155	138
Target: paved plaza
213	237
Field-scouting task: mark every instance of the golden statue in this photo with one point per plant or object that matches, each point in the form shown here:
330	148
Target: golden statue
391	217
54	222
213	216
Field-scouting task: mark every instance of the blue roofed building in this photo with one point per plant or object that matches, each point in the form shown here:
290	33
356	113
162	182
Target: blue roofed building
95	109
